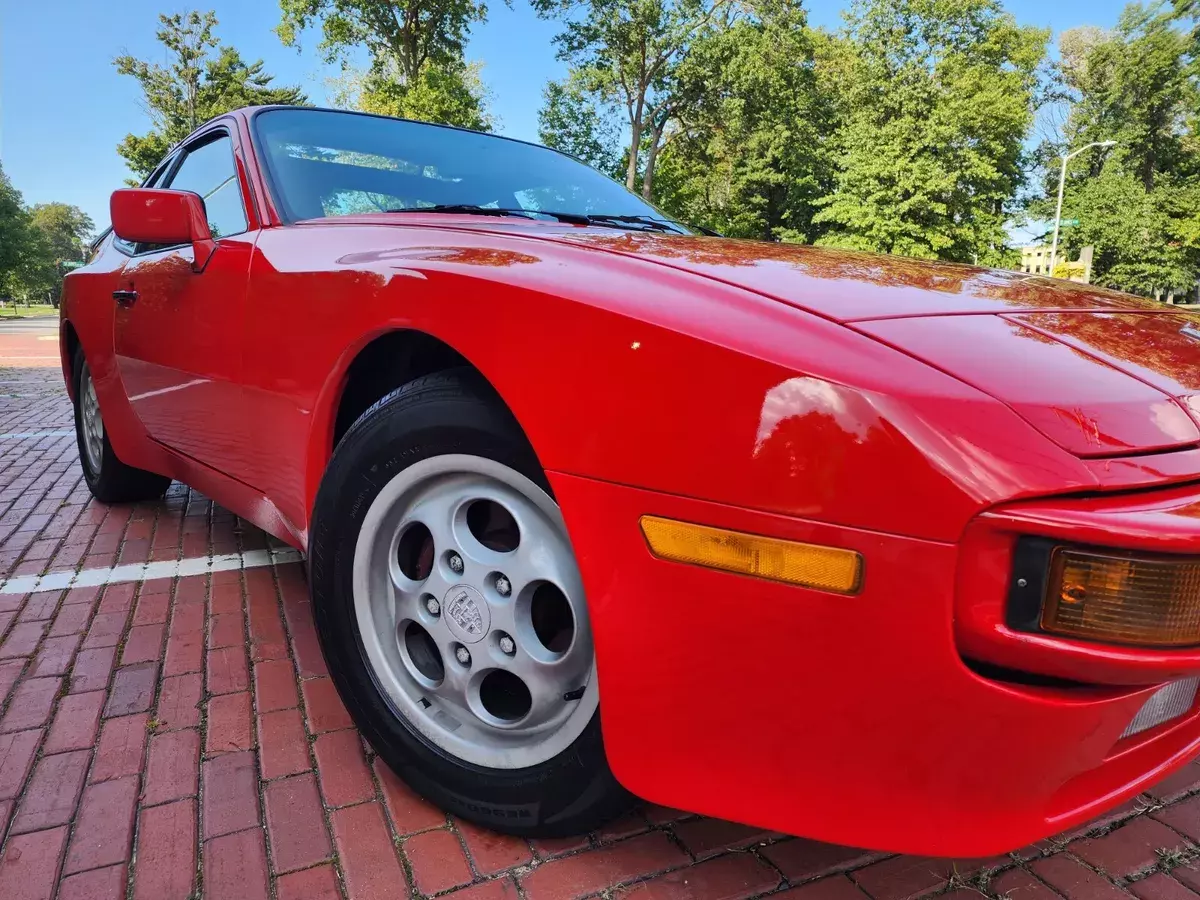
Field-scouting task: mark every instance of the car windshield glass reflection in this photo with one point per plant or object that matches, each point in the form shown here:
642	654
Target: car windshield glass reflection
328	163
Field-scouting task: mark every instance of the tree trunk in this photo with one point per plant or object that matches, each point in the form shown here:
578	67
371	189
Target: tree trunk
652	158
768	232
635	141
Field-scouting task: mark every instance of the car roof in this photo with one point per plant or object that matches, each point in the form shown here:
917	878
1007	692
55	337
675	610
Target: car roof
247	113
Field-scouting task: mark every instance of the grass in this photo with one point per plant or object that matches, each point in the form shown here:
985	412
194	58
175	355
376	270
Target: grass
20	312
1170	858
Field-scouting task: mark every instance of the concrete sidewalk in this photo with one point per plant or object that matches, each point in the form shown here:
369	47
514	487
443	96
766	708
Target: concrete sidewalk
180	738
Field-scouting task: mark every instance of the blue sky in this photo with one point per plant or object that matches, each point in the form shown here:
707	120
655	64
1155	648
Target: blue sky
63	108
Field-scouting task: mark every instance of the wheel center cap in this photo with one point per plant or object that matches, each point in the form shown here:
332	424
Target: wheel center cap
466	613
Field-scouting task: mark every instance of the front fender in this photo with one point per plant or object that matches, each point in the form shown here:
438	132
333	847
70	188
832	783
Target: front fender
624	371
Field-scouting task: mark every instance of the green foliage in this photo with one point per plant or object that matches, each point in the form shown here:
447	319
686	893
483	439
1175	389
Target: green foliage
18	240
1135	235
35	243
417	69
903	134
67	229
62	233
412	34
938	103
202	79
447	94
575	122
1133	86
751	160
632	55
1139	203
1189	11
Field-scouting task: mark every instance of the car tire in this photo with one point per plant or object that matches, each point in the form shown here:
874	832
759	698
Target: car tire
450	433
109	479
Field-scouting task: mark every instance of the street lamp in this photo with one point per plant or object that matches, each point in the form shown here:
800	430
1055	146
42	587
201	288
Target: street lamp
1062	177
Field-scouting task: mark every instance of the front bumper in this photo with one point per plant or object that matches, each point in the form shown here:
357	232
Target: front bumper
1159	521
853	720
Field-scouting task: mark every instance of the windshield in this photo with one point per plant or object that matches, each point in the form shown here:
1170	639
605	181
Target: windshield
326	163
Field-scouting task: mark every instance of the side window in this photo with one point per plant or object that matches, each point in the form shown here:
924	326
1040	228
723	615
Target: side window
209	171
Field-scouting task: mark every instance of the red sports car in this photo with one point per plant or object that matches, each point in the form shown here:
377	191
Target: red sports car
889	553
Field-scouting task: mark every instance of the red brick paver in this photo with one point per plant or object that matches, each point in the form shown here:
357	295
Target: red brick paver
177	740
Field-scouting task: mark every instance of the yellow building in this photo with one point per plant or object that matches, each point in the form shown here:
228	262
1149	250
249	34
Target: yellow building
1035	260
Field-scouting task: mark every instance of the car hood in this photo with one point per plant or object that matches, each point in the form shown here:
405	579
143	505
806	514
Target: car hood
1100	373
1098	384
842	285
848	285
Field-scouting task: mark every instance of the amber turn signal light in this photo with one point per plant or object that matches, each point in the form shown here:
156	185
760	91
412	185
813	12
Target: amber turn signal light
1151	601
808	565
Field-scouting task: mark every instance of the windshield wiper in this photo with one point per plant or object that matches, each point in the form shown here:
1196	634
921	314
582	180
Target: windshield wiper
644	222
469	209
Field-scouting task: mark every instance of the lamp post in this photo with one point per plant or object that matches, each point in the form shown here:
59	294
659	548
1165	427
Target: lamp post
1062	177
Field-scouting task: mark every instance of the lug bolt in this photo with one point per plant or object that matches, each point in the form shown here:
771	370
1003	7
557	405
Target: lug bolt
463	655
503	586
456	563
507	645
433	606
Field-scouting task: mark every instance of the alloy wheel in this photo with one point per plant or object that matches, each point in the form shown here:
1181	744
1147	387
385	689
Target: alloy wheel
471	612
92	424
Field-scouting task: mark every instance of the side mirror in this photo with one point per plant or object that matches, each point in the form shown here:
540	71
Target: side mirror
154	216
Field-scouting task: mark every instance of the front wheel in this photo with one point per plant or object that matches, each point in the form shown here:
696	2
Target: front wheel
109	479
452	613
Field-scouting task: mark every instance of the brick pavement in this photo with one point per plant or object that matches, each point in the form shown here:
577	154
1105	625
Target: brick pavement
182	739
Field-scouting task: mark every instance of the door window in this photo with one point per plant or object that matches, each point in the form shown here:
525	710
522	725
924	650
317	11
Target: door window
209	171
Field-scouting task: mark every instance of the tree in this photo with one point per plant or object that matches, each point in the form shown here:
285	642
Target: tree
1138	203
417	69
630	53
202	79
1189	11
18	241
67	229
929	157
35	243
62	233
750	158
449	94
1132	86
1139	245
573	121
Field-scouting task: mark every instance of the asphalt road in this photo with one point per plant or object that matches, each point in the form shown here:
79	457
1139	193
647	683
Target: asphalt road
30	325
29	343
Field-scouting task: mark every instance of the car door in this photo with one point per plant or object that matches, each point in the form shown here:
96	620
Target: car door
178	333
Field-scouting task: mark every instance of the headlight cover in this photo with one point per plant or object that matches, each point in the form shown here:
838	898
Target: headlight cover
1120	597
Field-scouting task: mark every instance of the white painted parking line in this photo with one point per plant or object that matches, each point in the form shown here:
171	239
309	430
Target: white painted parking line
21	435
175	568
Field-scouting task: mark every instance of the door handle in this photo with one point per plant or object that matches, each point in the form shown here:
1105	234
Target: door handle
125	298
